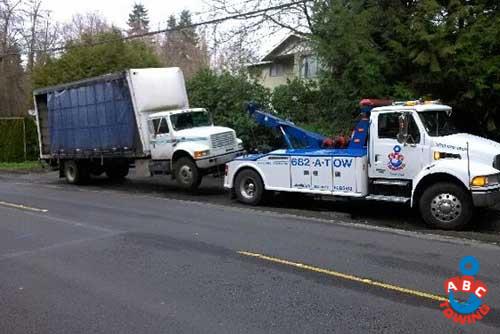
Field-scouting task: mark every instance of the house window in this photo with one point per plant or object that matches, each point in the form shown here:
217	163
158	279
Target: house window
309	67
276	70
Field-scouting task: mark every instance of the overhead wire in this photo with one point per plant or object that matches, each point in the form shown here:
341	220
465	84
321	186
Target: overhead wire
248	15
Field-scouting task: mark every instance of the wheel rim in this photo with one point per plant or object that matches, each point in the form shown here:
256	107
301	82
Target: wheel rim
186	174
446	207
248	188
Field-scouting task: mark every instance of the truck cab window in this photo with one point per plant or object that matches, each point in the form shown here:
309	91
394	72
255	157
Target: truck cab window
413	132
160	126
190	120
155	123
388	127
163	127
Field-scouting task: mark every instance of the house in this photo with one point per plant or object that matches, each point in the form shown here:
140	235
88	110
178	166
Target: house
292	58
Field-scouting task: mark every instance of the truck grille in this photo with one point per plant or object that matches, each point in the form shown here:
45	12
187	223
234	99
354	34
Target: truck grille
496	162
223	139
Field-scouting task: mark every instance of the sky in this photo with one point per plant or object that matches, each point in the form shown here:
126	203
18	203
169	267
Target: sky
117	11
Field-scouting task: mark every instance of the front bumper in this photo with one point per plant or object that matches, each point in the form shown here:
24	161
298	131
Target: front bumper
486	198
210	162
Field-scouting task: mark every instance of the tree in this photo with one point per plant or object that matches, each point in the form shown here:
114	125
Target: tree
95	55
12	80
411	49
183	47
85	26
138	20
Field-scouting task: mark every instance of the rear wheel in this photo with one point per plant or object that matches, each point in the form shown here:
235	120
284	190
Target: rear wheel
75	173
187	175
118	171
248	187
446	206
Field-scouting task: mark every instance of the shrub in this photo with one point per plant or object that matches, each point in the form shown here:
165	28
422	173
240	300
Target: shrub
225	96
12	143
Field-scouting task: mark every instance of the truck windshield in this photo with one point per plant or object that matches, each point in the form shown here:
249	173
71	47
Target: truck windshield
190	120
438	123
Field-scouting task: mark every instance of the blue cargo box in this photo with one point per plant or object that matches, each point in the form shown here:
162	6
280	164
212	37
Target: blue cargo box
90	117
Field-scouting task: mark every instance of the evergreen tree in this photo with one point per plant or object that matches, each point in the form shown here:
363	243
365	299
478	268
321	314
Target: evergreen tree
183	47
138	20
172	22
188	33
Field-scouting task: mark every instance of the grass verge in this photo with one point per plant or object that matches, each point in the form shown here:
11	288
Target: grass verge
27	166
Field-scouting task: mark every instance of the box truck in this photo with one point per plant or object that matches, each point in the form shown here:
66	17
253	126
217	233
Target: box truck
138	117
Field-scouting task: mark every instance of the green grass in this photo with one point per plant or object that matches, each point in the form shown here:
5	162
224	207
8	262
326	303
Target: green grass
20	166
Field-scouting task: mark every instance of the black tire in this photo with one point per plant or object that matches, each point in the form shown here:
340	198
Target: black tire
187	174
118	172
75	173
248	187
96	170
446	206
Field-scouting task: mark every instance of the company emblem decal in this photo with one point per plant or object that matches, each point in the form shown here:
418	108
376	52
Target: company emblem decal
396	159
472	291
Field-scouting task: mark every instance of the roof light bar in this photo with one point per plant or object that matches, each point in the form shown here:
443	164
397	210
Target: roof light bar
415	102
375	103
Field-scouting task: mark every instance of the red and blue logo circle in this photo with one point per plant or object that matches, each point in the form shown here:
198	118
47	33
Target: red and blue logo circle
396	159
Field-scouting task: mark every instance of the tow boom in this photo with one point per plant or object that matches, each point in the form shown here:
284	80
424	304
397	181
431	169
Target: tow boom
294	135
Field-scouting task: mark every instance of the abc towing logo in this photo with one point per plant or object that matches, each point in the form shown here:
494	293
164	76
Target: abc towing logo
473	309
396	159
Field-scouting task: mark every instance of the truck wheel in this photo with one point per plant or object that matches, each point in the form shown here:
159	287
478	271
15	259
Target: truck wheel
118	172
248	187
446	206
75	173
187	174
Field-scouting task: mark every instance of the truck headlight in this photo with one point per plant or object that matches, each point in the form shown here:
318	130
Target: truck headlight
201	154
483	181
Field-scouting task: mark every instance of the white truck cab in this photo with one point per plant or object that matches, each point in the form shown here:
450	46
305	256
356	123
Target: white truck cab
187	143
405	152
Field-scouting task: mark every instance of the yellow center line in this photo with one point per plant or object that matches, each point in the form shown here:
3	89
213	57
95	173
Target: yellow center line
22	207
348	277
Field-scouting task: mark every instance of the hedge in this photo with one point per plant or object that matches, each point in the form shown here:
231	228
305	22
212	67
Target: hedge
12	143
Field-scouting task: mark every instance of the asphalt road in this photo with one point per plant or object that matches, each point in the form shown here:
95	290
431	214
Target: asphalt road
143	258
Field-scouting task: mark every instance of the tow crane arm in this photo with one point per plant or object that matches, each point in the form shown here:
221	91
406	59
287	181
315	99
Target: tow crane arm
292	133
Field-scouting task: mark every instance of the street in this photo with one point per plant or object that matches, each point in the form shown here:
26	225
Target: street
143	258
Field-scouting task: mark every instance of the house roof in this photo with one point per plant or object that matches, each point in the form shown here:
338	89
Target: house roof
291	45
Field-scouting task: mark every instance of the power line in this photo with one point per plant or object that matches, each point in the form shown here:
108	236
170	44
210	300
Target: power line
249	14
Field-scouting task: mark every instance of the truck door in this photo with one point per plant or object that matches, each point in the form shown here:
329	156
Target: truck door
312	173
276	167
300	170
321	174
160	139
388	158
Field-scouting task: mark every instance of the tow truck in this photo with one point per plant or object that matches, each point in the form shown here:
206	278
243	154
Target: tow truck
404	152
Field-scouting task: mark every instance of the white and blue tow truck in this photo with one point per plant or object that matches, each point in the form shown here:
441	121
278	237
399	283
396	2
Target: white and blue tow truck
404	152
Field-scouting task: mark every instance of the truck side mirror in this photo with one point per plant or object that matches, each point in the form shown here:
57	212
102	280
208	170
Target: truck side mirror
404	120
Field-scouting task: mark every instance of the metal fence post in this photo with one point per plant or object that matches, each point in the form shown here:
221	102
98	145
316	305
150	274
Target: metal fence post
24	140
